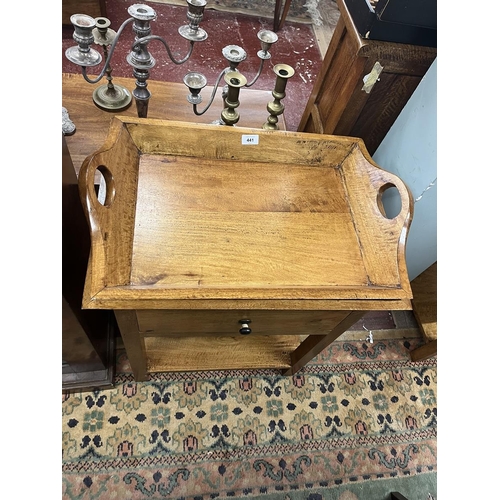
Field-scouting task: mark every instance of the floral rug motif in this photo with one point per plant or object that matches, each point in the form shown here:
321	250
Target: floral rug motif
359	414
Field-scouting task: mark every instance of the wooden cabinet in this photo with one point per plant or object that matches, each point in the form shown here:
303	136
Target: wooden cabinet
87	336
363	84
228	247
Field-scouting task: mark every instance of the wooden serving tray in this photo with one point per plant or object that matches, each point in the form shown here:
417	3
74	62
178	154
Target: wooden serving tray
213	217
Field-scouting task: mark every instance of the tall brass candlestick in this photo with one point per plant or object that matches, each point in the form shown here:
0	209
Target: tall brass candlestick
283	72
235	80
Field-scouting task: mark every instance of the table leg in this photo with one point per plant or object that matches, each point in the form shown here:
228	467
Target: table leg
279	22
425	351
277	9
314	344
134	343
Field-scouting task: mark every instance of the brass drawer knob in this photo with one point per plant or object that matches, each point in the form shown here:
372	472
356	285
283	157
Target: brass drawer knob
245	329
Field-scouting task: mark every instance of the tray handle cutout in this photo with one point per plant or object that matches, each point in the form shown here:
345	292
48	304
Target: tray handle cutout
97	187
107	190
389	201
393	198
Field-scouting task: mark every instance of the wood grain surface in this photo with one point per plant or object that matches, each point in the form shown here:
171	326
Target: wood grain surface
424	303
143	239
219	353
228	322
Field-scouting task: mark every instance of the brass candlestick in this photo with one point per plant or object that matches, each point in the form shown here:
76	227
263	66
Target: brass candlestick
234	80
234	55
283	72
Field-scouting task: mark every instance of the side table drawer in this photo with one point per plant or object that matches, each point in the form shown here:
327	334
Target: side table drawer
229	322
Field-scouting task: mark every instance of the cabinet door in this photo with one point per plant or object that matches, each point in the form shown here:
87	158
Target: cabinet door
363	85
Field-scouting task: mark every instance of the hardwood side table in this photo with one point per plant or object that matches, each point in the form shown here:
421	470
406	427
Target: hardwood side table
238	248
363	84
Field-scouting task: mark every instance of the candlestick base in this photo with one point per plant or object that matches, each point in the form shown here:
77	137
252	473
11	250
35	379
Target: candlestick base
115	98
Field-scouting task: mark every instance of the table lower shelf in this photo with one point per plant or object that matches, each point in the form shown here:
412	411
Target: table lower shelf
165	354
152	353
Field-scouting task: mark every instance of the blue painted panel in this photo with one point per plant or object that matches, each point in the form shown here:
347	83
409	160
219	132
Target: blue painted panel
409	150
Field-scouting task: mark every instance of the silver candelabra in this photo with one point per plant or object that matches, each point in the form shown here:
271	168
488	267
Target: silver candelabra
111	96
88	30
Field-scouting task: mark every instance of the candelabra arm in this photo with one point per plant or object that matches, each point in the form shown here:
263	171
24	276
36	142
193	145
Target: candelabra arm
257	75
212	97
267	39
110	55
172	58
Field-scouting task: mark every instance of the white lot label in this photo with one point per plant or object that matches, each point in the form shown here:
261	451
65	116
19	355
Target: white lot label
250	139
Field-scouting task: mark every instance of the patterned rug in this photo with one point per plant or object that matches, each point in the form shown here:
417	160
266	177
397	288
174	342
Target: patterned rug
356	423
301	11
